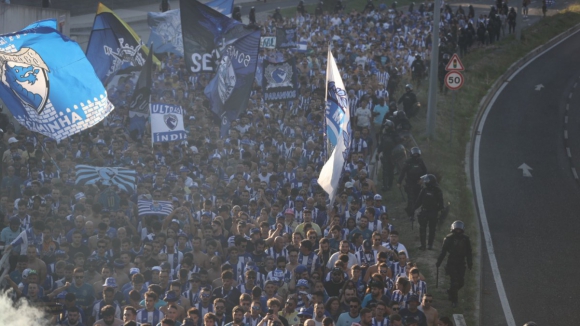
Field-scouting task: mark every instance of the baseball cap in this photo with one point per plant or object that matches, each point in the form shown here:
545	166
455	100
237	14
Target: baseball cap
289	211
134	271
305	312
378	197
12	140
299	198
110	282
303	282
170	296
349	184
255	230
300	269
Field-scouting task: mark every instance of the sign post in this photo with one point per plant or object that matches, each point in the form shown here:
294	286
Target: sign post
454	80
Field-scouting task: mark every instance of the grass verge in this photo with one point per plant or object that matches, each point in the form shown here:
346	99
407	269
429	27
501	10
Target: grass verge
446	157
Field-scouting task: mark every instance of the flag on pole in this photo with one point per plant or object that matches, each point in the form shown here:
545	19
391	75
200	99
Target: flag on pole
114	46
167	123
338	132
139	106
47	82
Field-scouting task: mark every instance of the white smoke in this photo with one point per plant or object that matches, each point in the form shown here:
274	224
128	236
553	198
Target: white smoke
21	314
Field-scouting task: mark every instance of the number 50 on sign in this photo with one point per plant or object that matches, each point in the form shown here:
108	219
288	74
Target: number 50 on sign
454	80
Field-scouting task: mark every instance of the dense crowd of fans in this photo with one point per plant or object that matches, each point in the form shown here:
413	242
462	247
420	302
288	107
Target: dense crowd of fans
252	239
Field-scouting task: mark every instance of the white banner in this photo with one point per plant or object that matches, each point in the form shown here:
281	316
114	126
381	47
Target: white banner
268	42
167	123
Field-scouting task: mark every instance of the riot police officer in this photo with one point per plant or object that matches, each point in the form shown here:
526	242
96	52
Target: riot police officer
431	202
252	16
412	171
237	14
389	138
318	10
300	9
277	15
458	245
409	100
418	70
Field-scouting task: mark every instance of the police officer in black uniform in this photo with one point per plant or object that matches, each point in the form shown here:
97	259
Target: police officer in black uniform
412	171
237	14
301	9
418	70
277	15
409	99
458	245
252	16
318	10
431	202
388	139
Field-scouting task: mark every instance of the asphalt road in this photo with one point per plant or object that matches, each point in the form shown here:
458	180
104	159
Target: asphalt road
534	221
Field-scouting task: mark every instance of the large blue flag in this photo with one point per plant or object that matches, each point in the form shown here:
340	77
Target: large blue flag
48	84
338	132
224	7
114	46
214	42
166	34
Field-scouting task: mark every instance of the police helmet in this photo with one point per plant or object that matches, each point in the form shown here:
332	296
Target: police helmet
429	180
400	114
409	87
415	152
457	225
388	124
530	323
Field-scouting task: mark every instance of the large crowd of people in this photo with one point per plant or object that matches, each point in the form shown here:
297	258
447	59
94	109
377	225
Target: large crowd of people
252	239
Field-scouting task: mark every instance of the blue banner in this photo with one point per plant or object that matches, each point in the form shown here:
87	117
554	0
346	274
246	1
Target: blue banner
48	84
224	7
280	81
114	46
166	33
232	49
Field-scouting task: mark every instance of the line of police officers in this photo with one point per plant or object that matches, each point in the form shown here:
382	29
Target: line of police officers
423	193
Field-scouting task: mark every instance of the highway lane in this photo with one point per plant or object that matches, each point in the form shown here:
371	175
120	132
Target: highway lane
534	221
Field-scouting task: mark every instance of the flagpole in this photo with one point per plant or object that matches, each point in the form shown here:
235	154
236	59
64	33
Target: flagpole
326	141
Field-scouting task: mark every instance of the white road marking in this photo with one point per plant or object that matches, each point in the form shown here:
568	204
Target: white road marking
477	183
568	152
566	119
570	96
575	173
565	134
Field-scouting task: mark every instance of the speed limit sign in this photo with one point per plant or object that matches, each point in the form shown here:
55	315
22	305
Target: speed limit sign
454	80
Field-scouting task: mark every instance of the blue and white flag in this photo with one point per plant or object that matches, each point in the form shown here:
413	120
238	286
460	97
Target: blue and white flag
215	43
224	7
48	84
167	123
301	47
123	178
154	207
166	32
114	46
338	132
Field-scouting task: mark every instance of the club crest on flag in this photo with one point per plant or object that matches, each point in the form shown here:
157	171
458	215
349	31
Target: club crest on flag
337	95
156	206
125	54
279	76
170	121
25	73
226	78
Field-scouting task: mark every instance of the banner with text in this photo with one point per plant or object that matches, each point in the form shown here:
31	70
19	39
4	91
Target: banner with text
167	123
280	81
285	38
